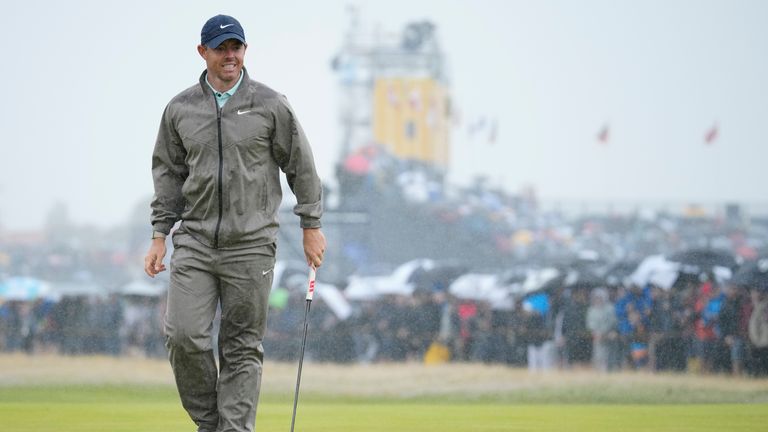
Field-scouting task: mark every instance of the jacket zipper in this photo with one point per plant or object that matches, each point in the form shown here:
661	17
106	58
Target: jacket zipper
219	185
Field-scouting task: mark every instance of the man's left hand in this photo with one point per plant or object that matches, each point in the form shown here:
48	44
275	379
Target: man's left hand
314	246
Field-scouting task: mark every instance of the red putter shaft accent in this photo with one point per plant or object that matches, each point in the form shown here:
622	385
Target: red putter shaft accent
311	287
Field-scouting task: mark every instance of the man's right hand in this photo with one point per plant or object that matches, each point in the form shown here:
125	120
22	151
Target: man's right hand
153	262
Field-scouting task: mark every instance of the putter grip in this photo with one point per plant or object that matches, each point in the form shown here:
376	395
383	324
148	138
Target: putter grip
311	285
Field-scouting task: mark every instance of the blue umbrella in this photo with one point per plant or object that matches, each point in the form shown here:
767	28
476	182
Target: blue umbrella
22	289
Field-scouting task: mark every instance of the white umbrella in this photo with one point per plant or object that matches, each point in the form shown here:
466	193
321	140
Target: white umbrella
336	302
404	272
286	269
722	274
483	287
397	283
474	286
143	288
656	269
75	289
373	287
537	279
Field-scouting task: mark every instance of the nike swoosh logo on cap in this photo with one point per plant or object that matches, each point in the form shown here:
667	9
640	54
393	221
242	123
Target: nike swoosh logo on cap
225	26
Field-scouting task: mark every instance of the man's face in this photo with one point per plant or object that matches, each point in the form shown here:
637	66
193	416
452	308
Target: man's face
224	62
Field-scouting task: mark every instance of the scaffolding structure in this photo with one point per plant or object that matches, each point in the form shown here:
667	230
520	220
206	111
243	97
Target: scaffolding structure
393	92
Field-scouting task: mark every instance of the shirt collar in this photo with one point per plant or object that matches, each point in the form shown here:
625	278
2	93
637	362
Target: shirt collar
227	94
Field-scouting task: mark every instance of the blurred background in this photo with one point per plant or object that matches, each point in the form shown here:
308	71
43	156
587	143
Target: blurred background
496	173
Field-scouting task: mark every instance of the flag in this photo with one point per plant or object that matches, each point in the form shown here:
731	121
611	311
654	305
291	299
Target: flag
492	133
711	135
603	135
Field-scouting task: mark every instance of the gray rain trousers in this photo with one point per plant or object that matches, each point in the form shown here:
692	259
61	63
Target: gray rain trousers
222	400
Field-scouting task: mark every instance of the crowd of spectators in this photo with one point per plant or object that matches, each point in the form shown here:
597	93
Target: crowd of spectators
701	326
703	323
83	324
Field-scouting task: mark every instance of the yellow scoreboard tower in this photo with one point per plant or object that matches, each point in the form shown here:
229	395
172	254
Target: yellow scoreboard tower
411	119
395	93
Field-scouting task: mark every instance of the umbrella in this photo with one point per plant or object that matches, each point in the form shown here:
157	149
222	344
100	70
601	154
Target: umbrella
362	288
23	289
142	288
703	260
538	302
409	271
619	271
284	270
474	286
657	270
541	280
400	282
753	275
75	289
439	277
587	260
583	279
482	287
333	298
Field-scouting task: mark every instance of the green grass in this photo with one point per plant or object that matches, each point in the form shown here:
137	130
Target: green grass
156	409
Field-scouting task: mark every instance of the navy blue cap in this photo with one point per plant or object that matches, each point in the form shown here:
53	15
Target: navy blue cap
220	28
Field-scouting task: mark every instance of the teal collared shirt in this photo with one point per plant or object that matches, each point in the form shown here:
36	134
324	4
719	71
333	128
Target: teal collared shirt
222	98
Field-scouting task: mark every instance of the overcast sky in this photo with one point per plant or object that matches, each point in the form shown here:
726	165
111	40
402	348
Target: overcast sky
87	82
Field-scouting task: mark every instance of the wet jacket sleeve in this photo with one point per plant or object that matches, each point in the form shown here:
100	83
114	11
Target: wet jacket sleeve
291	150
169	171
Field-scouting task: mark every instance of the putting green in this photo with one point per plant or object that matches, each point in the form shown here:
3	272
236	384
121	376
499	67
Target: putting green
156	409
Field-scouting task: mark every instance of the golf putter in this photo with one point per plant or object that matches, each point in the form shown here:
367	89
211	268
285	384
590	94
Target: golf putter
310	293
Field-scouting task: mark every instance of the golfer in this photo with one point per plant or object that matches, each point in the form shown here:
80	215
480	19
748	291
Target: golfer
215	168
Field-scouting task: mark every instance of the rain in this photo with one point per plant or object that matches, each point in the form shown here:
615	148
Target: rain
544	191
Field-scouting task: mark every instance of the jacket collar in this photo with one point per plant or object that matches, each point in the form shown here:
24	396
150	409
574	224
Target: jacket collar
207	89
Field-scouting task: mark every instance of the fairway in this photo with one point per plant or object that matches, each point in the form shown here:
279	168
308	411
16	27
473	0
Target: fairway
102	394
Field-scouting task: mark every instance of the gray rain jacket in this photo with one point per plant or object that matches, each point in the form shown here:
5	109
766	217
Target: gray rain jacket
216	170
